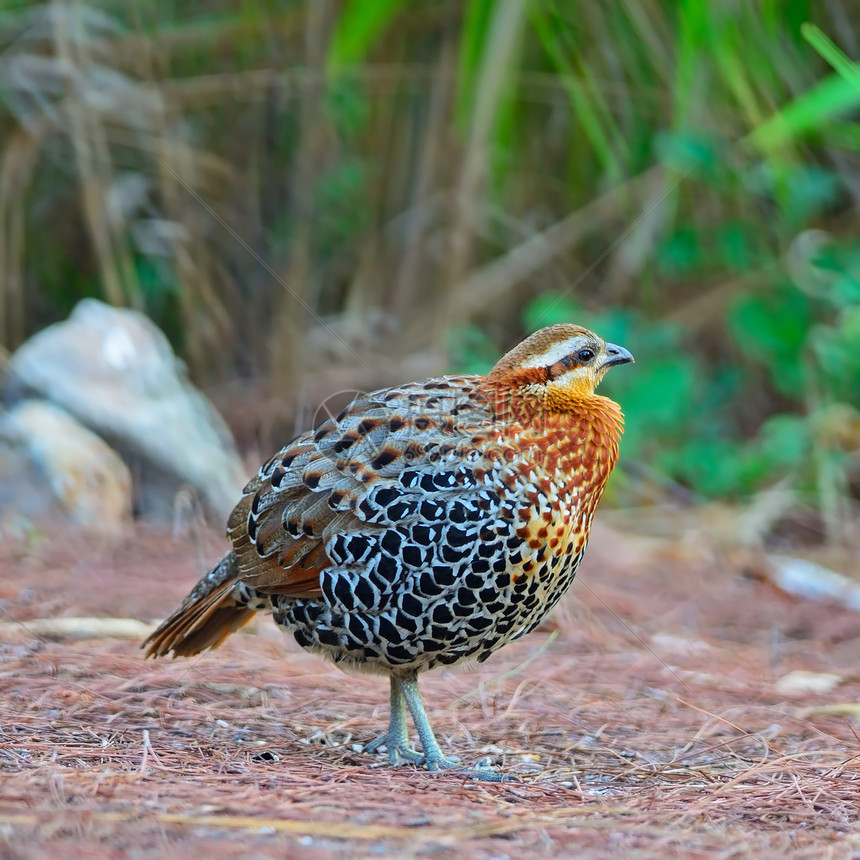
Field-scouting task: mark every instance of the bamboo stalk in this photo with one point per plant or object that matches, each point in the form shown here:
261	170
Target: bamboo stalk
493	75
287	334
93	160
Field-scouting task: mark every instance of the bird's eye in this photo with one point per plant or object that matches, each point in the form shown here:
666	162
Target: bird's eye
585	355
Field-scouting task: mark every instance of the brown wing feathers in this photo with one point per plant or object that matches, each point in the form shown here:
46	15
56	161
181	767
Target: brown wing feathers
309	492
277	529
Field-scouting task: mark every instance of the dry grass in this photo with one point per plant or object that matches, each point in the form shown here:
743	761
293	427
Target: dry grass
644	721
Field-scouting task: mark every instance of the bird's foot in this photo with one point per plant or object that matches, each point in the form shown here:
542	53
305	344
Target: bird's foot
437	761
398	750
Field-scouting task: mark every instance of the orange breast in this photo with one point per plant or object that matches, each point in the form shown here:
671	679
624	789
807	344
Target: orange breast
556	477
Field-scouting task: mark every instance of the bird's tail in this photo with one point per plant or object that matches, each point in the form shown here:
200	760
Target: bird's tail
206	617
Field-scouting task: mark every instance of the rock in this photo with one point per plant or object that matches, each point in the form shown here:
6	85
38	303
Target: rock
114	370
23	496
84	475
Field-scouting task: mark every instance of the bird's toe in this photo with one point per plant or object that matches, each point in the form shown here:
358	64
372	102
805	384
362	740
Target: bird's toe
399	752
439	762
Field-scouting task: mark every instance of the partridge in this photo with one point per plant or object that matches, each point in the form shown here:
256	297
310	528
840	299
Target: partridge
426	525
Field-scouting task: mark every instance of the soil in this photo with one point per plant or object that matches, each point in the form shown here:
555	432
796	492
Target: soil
672	705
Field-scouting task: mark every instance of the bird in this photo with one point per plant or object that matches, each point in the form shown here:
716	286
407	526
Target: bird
426	525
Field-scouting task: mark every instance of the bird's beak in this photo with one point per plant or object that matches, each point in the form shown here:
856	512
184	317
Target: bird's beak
615	355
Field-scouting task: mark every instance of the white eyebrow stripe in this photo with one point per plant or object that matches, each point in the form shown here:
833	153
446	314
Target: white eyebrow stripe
557	352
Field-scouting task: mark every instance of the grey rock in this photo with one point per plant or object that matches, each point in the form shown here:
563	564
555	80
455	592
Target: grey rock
114	370
25	496
76	467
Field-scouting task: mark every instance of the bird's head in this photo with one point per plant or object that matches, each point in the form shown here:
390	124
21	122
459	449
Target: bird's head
559	365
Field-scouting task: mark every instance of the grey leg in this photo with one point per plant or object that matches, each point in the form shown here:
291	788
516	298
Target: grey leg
404	694
396	739
408	687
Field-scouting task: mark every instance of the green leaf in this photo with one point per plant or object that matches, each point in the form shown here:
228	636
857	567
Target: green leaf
734	246
471	349
710	466
834	55
784	441
664	392
347	107
358	27
687	151
680	253
659	398
771	329
476	24
834	274
591	114
843	134
838	359
809	113
341	200
694	32
801	190
550	308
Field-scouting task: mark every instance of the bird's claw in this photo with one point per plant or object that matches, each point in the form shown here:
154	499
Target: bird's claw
398	750
439	762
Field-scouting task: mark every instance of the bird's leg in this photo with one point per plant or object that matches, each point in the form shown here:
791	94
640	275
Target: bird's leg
396	739
404	693
433	757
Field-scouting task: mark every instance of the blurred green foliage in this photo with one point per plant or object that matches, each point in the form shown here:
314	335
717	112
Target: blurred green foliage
678	408
435	179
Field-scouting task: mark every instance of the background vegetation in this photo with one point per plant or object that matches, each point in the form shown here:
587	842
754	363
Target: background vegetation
317	196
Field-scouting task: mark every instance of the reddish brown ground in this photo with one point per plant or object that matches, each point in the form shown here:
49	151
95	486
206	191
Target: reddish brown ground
644	720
